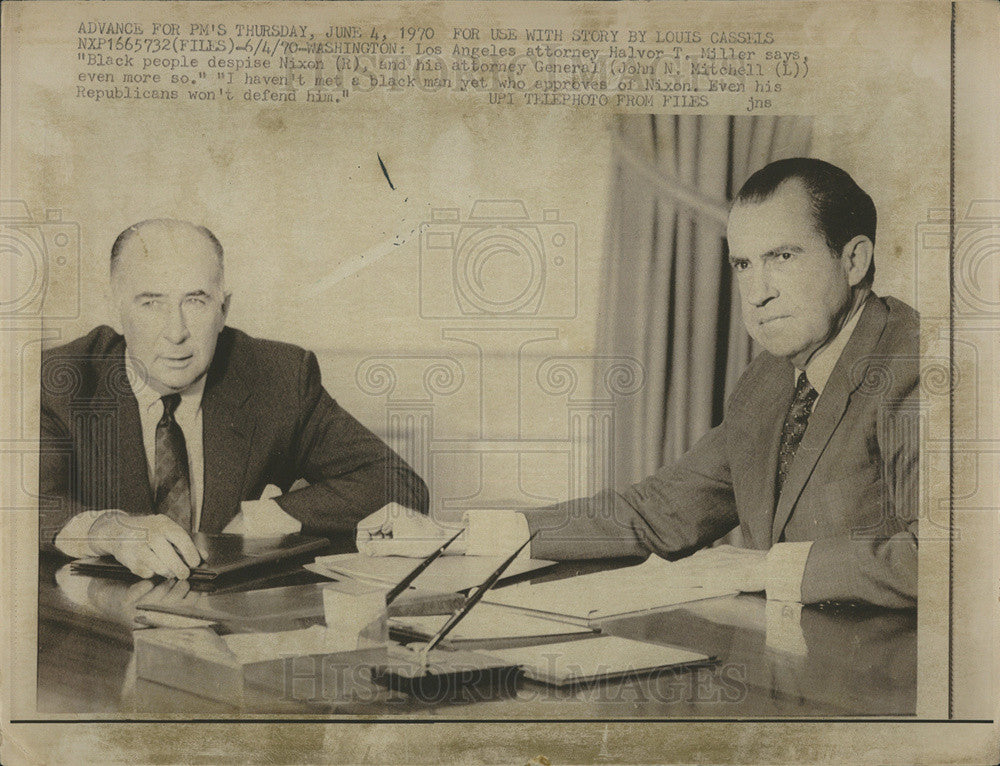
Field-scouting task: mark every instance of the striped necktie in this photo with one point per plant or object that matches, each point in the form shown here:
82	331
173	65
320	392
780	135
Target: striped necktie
172	485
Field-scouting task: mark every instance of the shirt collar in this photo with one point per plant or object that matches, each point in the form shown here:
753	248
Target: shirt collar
147	397
821	364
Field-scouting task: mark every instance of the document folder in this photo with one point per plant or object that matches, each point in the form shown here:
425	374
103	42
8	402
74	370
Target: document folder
225	558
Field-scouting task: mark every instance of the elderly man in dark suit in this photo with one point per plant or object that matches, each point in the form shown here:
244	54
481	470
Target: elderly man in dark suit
181	424
816	457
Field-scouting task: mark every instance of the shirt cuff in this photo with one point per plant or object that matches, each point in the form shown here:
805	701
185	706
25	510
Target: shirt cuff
495	533
786	565
784	628
74	538
265	518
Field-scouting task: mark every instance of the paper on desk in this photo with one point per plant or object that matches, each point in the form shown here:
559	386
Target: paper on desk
448	573
261	647
654	584
595	658
488	621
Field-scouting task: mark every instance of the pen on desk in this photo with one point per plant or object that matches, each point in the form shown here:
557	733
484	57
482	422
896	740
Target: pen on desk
405	582
472	599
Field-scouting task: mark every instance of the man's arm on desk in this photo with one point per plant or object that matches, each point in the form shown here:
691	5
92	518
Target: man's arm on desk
687	506
351	471
400	532
681	508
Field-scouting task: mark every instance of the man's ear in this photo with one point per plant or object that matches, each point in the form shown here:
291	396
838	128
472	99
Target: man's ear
225	305
857	257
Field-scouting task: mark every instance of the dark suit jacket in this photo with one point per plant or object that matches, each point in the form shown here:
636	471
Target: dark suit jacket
266	420
852	487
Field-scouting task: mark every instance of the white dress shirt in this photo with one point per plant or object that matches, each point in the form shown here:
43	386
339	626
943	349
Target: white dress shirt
489	532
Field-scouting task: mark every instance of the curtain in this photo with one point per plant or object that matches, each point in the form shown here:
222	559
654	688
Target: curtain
670	302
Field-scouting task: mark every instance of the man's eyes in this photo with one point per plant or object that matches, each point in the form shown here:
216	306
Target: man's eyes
742	264
190	300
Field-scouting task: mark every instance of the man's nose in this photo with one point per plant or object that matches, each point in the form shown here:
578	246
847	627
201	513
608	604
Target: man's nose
757	287
176	330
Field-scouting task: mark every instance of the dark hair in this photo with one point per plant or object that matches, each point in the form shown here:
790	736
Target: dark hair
123	239
841	209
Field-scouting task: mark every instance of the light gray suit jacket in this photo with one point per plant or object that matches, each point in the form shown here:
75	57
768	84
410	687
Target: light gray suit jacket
852	487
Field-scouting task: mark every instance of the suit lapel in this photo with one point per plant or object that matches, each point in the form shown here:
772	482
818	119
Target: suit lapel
847	375
759	434
128	471
134	467
227	431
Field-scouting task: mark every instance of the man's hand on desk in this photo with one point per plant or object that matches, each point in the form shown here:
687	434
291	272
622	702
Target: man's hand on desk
147	545
395	530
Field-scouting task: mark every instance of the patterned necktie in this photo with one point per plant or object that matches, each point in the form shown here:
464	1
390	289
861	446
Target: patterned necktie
171	484
795	426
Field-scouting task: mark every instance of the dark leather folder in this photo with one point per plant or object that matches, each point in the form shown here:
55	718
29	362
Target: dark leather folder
226	559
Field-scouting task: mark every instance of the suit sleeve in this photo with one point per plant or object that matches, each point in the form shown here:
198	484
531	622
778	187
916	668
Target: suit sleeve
878	564
351	471
680	508
56	468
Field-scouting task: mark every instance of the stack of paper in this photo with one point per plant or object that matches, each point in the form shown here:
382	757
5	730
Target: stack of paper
654	584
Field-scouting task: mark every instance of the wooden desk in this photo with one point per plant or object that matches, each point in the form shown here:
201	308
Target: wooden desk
838	661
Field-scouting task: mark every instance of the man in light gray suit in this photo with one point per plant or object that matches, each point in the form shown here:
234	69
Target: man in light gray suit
816	459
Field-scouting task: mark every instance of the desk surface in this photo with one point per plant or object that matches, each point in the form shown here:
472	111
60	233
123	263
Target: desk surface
772	661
